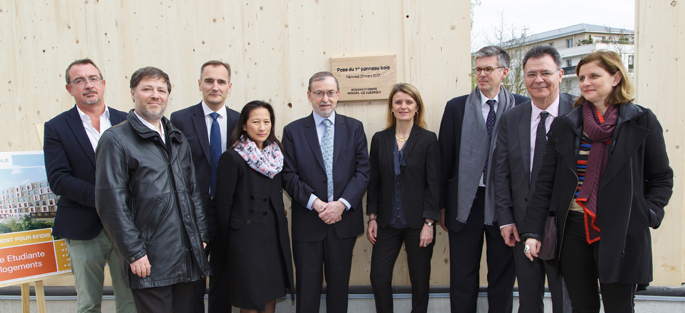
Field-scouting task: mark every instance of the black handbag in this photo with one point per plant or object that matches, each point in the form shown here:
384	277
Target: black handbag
549	239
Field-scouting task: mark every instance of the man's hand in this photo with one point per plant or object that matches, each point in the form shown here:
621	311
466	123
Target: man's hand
141	267
319	206
333	212
204	245
442	220
510	234
534	245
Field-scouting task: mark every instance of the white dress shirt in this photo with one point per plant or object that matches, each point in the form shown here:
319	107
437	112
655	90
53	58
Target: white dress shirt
320	129
221	119
94	134
150	126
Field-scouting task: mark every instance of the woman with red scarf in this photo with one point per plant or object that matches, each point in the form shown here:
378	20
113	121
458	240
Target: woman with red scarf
606	175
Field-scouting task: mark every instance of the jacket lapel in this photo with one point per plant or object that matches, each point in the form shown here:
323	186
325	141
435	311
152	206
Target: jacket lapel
524	136
76	125
624	149
313	139
565	104
200	126
389	147
340	134
411	142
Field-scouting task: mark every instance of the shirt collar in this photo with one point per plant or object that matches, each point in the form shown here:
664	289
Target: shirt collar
206	110
148	125
86	117
318	118
553	109
484	99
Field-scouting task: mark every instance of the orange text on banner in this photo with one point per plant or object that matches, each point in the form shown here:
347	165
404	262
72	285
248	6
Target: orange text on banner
25	237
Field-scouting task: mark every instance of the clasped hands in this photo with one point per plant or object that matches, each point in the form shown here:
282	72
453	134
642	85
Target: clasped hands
329	212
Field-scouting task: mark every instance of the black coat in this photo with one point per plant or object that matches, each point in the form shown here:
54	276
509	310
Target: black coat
149	203
419	179
243	198
636	185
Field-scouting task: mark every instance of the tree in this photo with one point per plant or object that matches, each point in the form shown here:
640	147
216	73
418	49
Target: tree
516	42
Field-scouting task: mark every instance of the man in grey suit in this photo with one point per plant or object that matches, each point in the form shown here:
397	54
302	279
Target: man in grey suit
520	145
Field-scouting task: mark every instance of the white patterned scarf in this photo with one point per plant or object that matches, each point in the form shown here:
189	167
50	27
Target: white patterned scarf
267	161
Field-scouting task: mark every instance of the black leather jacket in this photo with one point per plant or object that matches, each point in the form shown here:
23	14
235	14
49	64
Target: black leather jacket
149	202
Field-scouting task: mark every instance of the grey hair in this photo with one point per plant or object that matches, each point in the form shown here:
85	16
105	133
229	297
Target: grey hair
489	51
541	51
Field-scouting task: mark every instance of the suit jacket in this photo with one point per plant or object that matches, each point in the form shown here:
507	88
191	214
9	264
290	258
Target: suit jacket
70	166
450	146
304	174
191	122
419	180
511	168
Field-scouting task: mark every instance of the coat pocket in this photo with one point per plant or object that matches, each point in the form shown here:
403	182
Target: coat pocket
235	223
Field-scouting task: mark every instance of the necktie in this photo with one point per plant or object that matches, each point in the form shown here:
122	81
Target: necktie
214	150
489	125
327	152
540	143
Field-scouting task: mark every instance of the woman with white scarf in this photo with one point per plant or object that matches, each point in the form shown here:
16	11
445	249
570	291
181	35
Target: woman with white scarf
251	215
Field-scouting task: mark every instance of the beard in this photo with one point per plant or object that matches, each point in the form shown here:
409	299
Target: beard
149	115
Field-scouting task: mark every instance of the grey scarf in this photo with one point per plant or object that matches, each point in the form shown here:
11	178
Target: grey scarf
473	152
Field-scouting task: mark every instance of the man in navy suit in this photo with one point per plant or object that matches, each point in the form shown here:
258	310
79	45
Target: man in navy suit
468	134
196	123
514	176
69	148
326	172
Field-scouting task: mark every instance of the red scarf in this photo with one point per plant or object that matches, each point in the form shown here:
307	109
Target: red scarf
599	129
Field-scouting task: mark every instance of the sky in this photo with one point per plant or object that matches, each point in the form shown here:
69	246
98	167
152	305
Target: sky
539	16
21	168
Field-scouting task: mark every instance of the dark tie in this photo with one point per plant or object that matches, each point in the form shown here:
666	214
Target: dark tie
214	149
489	125
540	143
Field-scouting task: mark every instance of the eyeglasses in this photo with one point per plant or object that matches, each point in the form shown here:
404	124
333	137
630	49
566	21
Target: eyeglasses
488	70
544	75
320	93
82	81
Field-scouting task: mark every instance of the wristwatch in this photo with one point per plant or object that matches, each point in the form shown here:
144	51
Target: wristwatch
430	223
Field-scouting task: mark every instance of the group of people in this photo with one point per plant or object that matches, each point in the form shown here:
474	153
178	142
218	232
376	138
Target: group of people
174	201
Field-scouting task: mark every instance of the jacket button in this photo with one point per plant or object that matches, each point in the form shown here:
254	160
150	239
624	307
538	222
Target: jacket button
203	276
133	259
251	197
525	199
263	223
265	198
280	191
251	211
248	223
264	212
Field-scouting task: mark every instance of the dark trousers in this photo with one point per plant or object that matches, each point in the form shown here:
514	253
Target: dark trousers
174	298
218	285
531	281
466	246
578	263
332	256
388	244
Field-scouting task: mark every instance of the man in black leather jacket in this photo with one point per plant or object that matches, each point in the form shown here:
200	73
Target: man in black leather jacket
149	202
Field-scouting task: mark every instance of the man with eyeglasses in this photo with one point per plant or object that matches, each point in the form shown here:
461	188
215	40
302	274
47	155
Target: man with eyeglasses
326	172
467	140
521	140
69	148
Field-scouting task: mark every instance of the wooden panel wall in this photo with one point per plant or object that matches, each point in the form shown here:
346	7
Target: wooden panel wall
272	46
660	77
275	46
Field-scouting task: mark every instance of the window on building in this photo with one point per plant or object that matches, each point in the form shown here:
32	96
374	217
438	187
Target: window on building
569	63
551	44
569	43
